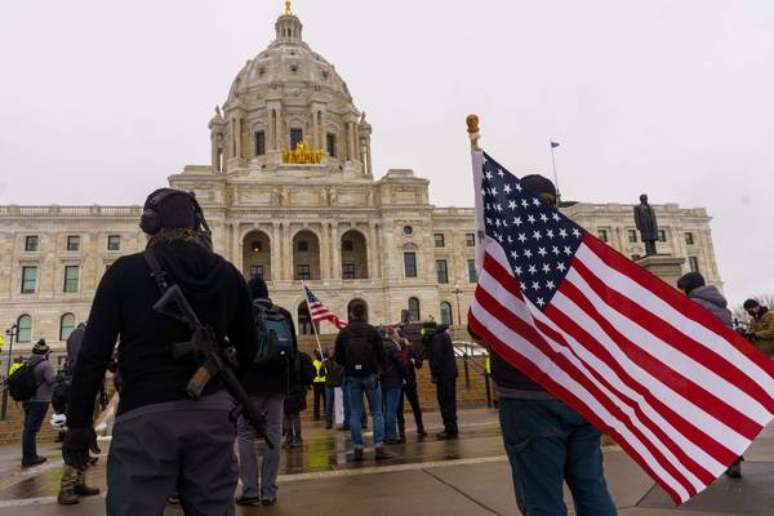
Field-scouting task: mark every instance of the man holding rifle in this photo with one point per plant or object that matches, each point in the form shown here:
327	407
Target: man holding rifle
184	317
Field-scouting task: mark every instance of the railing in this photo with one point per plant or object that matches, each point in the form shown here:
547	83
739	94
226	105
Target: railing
470	352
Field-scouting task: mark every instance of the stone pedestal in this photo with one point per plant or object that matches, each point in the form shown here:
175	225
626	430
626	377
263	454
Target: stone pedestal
668	268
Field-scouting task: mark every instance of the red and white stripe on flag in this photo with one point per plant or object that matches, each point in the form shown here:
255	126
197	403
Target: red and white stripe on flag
681	393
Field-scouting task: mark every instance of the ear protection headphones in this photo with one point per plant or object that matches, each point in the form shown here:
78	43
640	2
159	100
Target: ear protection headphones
150	221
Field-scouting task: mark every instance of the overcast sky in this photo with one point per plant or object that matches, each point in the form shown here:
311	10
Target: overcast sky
101	101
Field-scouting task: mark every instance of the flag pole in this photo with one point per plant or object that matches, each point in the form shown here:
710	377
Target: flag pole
556	175
474	133
314	328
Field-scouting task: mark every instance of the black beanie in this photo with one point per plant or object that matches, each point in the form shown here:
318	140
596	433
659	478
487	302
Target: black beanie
688	282
537	184
176	210
751	303
258	288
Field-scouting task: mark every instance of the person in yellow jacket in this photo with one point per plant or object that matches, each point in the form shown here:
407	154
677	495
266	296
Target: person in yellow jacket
17	363
319	384
761	330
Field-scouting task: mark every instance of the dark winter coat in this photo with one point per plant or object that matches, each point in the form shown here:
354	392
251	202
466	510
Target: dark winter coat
359	349
123	305
303	375
710	298
274	378
440	352
394	369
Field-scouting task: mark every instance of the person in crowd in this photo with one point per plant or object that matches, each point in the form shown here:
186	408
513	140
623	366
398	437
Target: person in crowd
162	439
73	483
36	407
761	329
443	369
334	379
267	382
17	363
319	385
391	381
360	350
709	297
412	360
303	374
546	441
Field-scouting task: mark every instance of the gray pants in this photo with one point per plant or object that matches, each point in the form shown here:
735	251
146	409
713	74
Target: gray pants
270	405
185	446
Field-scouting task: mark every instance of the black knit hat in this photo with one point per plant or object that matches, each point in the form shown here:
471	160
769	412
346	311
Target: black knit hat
688	282
258	288
751	303
538	185
176	210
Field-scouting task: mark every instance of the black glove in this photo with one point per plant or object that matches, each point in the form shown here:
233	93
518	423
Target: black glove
76	446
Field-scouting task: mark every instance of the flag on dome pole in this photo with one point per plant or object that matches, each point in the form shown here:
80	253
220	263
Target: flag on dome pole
680	392
319	312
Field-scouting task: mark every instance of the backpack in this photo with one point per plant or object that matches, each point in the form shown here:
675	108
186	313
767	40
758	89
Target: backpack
275	337
22	384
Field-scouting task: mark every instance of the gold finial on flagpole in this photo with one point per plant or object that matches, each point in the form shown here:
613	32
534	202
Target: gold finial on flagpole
473	132
288	8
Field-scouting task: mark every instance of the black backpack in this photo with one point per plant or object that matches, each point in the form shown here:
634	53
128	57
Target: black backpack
22	384
275	337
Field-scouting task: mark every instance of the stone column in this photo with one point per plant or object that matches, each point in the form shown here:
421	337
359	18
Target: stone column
236	247
336	248
372	252
325	244
237	128
276	253
287	241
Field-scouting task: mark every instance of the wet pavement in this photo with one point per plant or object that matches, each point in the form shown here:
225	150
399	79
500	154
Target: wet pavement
469	476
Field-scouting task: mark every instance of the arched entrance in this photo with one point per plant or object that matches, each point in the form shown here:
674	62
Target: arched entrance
256	255
306	256
354	256
357	302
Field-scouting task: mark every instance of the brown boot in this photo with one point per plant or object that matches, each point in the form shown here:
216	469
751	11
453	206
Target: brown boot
67	497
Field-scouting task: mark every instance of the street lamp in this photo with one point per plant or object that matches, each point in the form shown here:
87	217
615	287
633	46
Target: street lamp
11	332
457	291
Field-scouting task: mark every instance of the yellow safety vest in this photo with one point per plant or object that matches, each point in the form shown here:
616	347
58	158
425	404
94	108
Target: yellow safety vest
488	366
14	367
320	378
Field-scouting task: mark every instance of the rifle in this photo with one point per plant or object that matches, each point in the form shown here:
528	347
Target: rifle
214	360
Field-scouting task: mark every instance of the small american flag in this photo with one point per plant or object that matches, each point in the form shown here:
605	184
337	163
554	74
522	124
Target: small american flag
680	392
320	312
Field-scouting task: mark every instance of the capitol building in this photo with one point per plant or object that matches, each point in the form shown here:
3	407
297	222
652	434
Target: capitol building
291	194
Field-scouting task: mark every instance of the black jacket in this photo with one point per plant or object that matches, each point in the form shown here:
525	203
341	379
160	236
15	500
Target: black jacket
123	305
394	369
275	378
359	349
440	352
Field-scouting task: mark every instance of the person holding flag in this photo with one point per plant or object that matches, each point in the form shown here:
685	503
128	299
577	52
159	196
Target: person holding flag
617	348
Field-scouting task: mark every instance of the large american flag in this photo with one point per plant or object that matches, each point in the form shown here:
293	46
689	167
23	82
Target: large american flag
320	312
680	392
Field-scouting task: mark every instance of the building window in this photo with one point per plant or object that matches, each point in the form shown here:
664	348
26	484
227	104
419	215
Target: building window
303	246
410	264
73	243
330	144
446	313
24	329
413	309
31	243
303	272
440	241
66	326
689	239
29	279
408	230
602	235
348	271
296	137
632	234
470	239
114	243
693	263
347	245
662	236
71	278
442	271
256	271
260	143
472	272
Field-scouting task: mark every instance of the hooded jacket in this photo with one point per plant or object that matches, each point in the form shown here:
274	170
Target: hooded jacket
440	352
123	306
710	298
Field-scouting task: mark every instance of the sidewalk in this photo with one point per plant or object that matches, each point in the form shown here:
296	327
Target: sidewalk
468	477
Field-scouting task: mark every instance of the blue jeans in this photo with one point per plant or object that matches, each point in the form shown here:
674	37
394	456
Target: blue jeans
369	386
547	443
329	397
34	413
391	402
